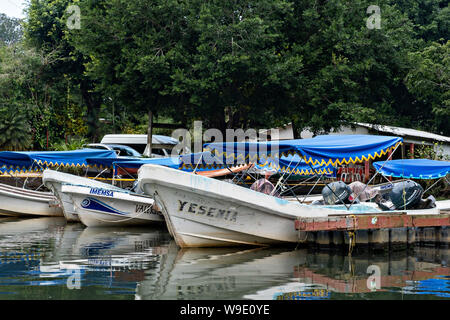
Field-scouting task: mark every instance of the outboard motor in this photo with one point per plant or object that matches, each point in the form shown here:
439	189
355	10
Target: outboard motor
427	203
404	195
336	193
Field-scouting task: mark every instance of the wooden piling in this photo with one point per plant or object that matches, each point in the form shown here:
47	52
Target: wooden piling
362	238
337	238
379	239
429	236
411	236
444	236
398	238
323	238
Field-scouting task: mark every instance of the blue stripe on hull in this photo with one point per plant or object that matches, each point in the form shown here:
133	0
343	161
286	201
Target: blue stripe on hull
97	205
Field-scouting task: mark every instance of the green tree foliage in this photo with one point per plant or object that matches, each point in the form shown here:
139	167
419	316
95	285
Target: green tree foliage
14	129
352	73
240	70
255	64
21	93
46	29
10	30
429	81
232	64
431	18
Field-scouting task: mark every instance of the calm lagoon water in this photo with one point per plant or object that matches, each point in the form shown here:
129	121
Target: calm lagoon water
45	258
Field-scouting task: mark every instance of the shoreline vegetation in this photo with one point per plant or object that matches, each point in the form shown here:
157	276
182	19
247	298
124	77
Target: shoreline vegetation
238	64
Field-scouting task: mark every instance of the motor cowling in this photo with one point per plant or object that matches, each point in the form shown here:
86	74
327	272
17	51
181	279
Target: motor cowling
336	193
406	195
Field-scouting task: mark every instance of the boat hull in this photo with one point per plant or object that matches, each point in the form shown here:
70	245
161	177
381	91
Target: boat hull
18	202
204	212
111	208
54	181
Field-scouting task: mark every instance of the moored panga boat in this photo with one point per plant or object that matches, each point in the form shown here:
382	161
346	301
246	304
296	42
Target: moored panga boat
23	202
105	207
204	212
98	204
54	180
19	201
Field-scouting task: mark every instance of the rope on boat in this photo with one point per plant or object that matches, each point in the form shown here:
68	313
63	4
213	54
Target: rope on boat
303	240
352	237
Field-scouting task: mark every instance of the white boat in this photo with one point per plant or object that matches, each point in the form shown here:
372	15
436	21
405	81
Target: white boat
203	212
31	202
53	180
106	207
23	202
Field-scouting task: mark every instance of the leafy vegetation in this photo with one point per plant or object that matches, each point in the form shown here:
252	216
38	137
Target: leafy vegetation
231	64
10	30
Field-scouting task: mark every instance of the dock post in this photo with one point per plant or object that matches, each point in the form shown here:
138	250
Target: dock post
398	238
419	236
379	239
323	238
411	236
312	239
429	236
362	239
444	236
338	238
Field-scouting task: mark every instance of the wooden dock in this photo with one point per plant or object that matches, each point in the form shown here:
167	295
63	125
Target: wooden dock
384	231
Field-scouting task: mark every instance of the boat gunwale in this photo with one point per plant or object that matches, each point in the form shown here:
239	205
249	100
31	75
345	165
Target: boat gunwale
242	200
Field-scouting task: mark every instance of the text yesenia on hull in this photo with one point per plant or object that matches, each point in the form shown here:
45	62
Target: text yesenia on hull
204	212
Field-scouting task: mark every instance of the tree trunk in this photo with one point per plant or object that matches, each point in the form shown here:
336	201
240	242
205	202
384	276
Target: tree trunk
93	102
149	134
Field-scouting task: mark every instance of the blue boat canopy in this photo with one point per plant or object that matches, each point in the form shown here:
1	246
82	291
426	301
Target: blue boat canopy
171	162
413	168
293	164
322	150
207	160
108	162
182	162
188	163
14	161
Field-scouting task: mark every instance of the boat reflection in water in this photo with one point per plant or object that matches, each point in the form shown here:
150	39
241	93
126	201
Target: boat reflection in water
45	258
288	274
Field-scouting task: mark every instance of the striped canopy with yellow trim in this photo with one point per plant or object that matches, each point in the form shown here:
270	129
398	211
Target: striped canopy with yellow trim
26	161
322	150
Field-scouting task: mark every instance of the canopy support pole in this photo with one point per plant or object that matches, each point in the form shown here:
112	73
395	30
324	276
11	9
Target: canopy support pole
433	185
26	180
320	178
376	173
281	178
234	174
330	188
114	174
293	193
16	179
299	184
199	160
246	173
100	173
226	166
295	186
